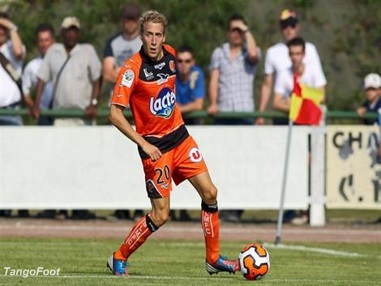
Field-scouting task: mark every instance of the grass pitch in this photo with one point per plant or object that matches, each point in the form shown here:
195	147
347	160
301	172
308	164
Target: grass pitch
83	262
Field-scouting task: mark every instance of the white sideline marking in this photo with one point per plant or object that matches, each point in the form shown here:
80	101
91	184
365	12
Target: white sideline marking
314	249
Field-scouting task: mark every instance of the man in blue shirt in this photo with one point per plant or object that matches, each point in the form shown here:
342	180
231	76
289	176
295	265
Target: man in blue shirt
190	84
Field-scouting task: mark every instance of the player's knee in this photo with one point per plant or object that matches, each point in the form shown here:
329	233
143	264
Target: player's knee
160	218
210	194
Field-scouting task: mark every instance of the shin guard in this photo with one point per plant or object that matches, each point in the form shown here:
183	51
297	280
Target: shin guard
142	229
211	227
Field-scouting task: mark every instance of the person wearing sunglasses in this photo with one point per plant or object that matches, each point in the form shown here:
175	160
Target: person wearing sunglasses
277	60
232	71
190	84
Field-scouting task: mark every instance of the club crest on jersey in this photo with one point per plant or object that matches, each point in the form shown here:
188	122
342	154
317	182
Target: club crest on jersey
128	78
164	104
195	155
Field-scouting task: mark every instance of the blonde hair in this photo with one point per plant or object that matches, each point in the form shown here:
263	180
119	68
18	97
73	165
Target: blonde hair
154	17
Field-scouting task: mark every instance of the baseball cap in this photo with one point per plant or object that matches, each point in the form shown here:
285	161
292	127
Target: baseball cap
372	80
288	17
70	22
288	14
130	11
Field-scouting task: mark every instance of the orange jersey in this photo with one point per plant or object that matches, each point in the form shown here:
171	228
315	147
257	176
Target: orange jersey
149	89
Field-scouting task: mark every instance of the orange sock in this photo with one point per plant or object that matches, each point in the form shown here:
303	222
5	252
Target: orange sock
139	233
211	226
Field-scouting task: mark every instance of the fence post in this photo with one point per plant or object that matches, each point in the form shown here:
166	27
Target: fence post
317	196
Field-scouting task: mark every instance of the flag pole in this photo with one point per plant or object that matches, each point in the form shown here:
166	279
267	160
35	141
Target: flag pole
278	238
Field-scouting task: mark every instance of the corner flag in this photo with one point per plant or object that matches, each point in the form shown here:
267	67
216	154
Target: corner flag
305	102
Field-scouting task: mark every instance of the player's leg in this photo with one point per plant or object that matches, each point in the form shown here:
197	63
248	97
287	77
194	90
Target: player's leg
209	214
158	185
138	235
211	225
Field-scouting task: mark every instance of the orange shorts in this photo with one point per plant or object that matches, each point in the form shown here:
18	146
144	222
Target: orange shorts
180	163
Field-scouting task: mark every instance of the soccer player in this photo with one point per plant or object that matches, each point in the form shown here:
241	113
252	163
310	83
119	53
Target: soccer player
146	83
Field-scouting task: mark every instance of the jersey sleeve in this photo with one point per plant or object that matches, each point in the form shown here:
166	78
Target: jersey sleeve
269	66
95	66
215	59
27	79
315	62
107	52
280	85
127	77
44	72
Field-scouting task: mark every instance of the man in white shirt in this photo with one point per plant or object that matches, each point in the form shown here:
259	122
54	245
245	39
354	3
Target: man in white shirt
306	74
45	38
75	70
277	58
11	46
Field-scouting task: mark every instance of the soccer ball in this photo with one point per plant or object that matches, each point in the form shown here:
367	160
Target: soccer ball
254	261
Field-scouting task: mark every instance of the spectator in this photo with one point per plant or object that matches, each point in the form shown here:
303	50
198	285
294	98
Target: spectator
232	72
45	38
277	60
372	103
13	49
76	73
123	45
307	74
118	49
190	93
13	52
75	70
190	84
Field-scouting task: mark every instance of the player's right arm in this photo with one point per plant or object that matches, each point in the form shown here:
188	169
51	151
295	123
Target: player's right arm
117	118
124	87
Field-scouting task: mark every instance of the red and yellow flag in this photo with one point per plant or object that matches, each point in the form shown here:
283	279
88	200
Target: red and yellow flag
305	103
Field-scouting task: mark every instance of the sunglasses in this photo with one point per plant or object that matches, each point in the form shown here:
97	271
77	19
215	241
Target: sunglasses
285	24
235	30
187	61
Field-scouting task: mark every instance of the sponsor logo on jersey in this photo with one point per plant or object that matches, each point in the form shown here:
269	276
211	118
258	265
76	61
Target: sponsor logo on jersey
128	78
195	155
147	74
164	104
159	66
163	77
